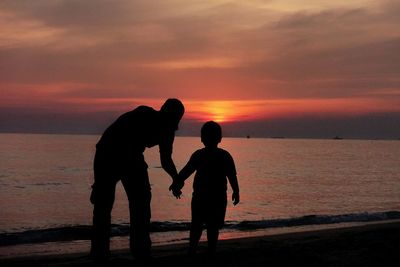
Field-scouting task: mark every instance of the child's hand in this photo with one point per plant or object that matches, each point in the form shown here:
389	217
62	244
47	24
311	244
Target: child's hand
235	198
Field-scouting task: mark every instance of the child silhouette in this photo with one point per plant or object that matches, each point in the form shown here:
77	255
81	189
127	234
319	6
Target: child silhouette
212	165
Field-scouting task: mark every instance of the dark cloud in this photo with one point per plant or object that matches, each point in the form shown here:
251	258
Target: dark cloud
335	72
323	19
46	121
369	126
89	14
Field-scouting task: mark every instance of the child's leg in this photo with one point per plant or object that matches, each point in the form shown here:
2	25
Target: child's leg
196	226
196	229
212	238
215	221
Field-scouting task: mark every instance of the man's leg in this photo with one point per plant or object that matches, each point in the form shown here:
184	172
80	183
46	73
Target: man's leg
102	197
138	190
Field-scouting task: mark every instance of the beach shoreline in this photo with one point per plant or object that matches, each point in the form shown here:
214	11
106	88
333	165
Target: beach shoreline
374	244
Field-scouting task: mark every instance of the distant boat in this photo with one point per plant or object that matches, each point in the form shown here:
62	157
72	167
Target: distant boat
337	138
247	136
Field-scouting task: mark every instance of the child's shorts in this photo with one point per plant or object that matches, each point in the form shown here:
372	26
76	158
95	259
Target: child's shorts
209	210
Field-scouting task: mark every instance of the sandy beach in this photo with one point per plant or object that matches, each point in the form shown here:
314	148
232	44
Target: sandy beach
368	245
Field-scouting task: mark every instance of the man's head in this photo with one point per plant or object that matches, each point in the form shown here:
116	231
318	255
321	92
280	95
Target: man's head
173	110
211	133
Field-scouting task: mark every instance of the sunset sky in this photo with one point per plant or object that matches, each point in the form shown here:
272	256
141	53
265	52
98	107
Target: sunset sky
266	68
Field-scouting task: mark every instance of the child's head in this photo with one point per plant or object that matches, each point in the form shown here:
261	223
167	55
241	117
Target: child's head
211	133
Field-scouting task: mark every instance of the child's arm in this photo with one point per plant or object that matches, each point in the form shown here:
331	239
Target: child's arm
235	188
185	173
232	178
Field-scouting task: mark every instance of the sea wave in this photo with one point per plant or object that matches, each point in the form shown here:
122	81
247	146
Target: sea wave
83	232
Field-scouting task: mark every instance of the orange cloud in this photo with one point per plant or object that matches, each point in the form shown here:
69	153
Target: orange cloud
235	61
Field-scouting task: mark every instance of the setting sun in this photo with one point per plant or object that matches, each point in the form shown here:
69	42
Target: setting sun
219	111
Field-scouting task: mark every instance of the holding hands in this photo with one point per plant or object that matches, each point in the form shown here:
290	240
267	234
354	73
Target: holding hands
176	187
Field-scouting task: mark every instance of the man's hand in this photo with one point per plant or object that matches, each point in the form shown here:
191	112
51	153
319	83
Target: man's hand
235	198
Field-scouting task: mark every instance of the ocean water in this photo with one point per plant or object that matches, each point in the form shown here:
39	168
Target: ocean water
285	183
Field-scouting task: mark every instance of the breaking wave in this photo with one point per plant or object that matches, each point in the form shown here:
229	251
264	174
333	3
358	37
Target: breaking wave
83	232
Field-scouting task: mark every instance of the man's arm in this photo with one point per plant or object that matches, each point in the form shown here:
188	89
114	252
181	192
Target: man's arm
166	147
168	165
178	183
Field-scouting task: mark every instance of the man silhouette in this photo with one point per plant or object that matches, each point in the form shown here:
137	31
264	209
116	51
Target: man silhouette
119	156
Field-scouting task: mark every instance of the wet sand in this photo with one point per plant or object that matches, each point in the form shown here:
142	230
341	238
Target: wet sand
368	245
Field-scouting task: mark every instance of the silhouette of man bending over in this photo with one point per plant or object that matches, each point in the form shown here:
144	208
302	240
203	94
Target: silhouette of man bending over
119	156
